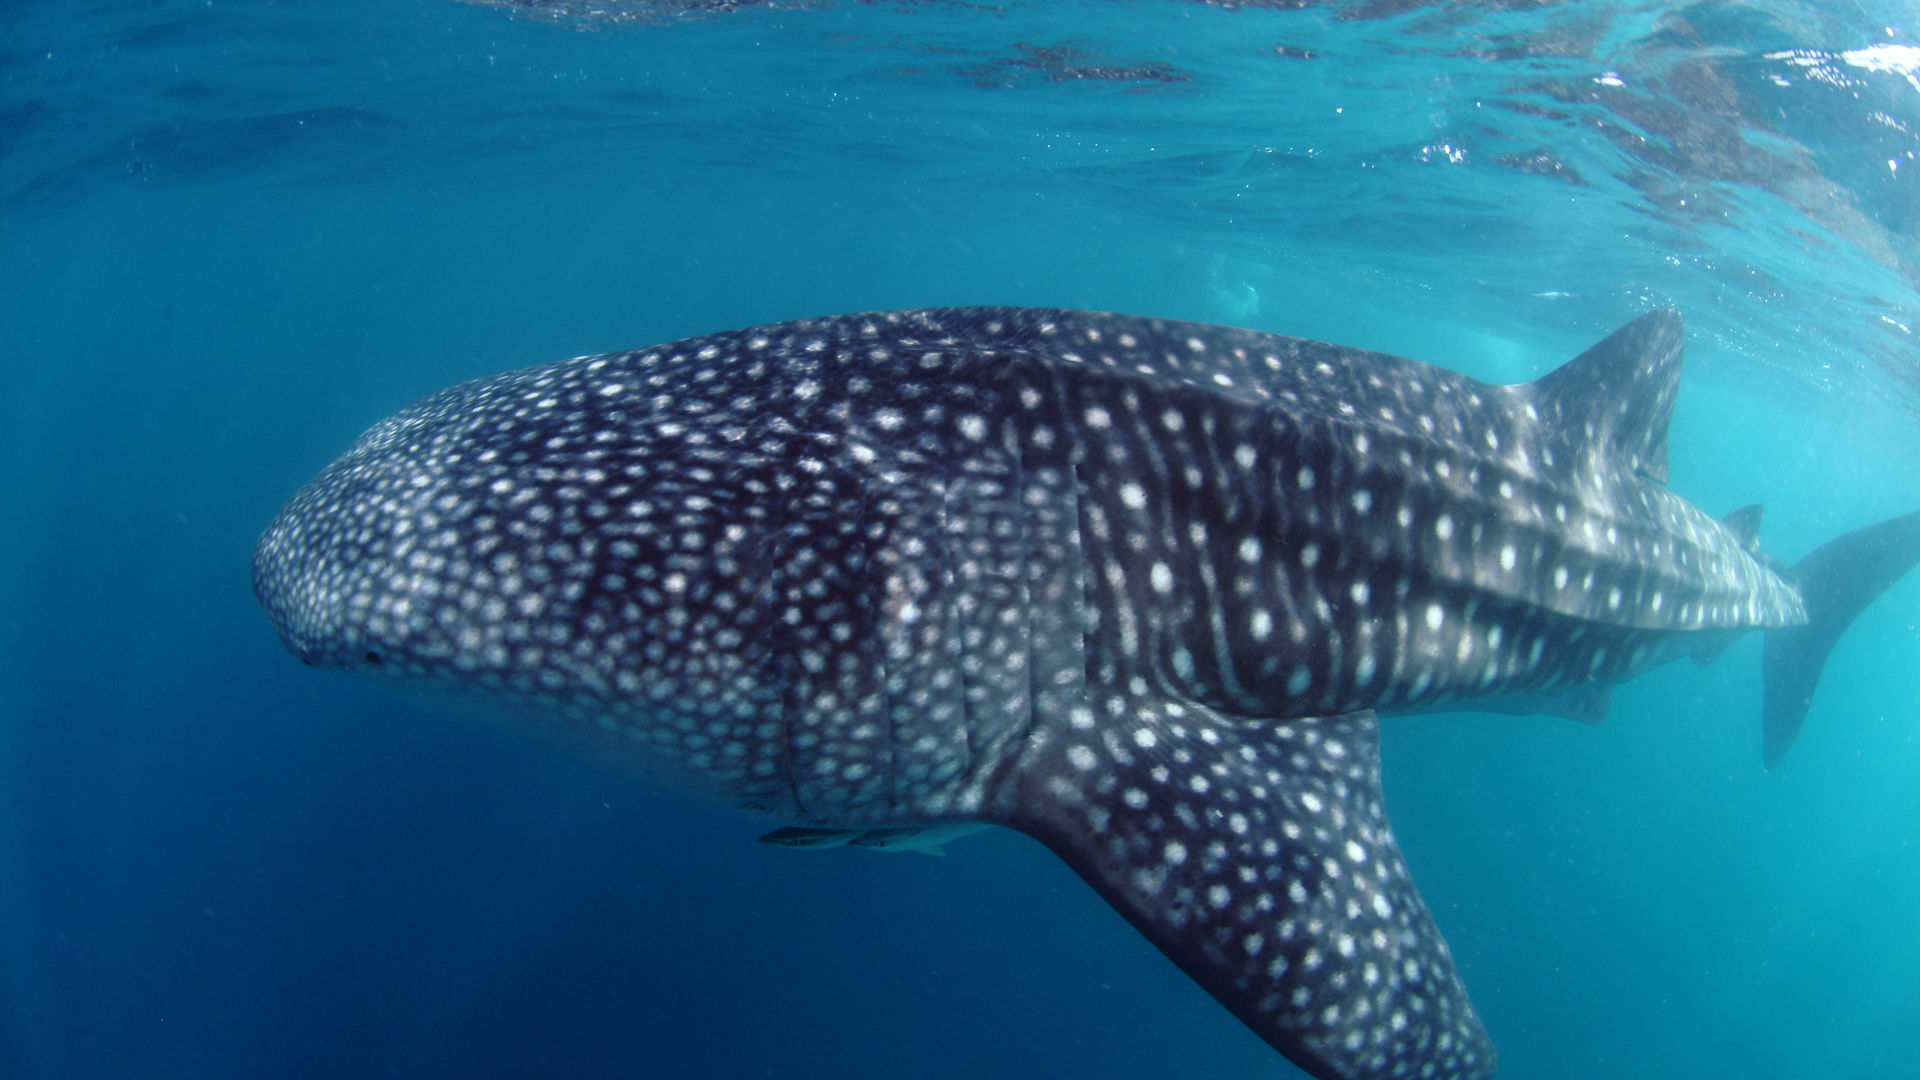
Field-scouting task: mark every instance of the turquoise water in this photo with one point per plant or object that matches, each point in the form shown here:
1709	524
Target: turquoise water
234	234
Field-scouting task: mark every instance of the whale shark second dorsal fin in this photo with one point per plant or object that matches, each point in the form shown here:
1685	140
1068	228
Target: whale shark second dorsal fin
1616	399
1744	524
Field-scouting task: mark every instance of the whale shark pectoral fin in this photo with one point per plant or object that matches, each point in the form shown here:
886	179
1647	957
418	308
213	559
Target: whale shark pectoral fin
1256	854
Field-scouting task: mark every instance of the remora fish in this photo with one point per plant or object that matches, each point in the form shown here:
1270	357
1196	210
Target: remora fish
1136	588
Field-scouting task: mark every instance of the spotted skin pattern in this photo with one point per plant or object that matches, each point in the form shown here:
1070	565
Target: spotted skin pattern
1136	588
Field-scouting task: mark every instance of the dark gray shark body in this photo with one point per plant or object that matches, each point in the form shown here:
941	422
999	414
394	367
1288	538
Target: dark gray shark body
1136	588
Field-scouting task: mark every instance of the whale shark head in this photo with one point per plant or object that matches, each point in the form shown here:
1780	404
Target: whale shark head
585	548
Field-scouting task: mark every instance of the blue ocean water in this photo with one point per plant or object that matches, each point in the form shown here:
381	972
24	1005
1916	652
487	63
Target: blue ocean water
232	235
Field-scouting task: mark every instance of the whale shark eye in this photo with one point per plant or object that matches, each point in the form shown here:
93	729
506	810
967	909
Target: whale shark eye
372	658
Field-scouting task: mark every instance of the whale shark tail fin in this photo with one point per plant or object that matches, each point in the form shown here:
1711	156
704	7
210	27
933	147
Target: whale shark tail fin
1837	581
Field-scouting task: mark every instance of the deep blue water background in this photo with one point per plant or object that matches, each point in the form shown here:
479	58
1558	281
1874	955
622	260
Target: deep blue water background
232	235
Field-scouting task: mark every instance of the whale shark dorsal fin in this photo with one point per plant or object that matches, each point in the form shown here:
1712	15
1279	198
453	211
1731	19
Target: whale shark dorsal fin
1616	398
1256	854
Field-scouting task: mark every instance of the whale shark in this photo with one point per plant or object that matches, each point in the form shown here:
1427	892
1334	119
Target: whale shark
1139	589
